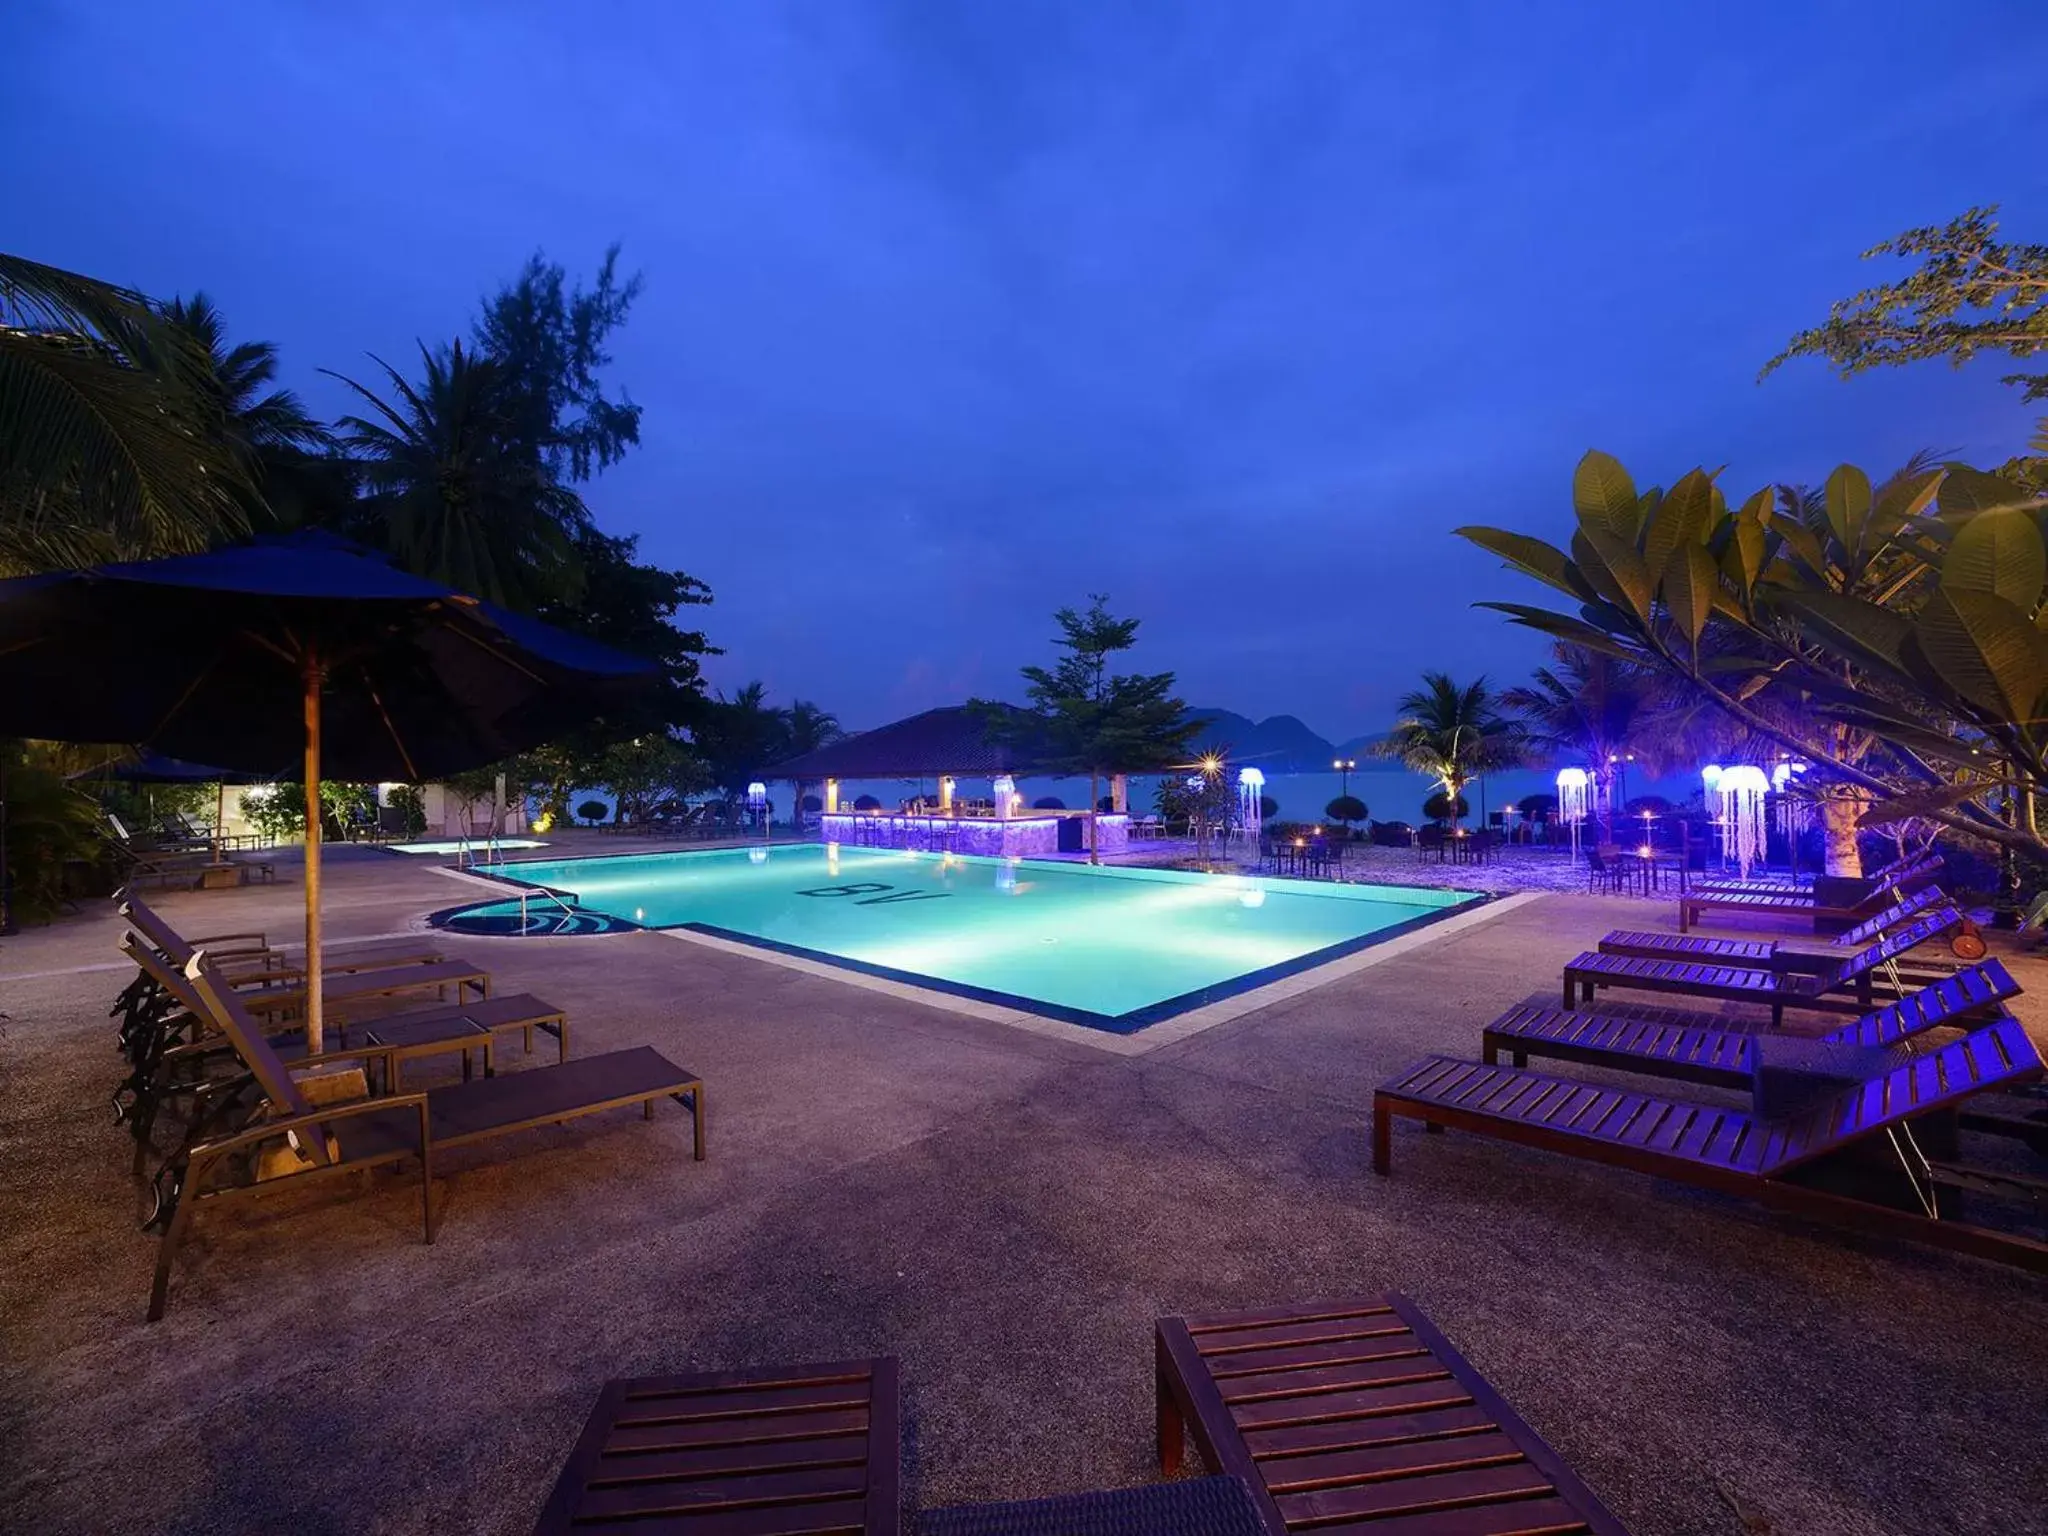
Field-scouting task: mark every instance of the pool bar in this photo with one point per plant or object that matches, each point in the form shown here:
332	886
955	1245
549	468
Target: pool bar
1025	835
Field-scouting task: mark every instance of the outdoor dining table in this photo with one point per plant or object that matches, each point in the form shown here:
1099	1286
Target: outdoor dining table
1647	867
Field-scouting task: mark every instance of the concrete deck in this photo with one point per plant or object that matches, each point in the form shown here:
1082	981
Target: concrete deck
1005	1210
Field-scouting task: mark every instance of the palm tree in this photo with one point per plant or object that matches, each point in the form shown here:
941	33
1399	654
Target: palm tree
1453	733
805	728
452	498
109	440
289	454
1593	707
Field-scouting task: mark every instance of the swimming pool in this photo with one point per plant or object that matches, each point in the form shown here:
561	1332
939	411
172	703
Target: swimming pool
1111	948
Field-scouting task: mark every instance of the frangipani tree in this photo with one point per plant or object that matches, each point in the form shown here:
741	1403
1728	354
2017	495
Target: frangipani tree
1901	645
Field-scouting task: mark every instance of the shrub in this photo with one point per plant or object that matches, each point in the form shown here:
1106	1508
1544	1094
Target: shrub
813	804
1656	805
411	807
1268	807
1537	806
593	811
867	803
1049	803
1347	809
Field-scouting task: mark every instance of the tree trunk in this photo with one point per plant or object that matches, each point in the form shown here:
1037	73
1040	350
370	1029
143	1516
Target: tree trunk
1838	829
1092	794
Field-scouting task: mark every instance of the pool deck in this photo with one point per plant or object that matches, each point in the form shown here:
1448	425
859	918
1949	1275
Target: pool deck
1005	1210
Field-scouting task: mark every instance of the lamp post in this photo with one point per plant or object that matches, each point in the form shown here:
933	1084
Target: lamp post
1344	765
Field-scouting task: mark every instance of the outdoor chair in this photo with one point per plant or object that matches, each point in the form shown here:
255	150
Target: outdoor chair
1668	1042
1768	954
1808	1162
1357	1415
377	971
363	1134
1771	880
1792	901
1776	987
1604	876
813	1448
1786	975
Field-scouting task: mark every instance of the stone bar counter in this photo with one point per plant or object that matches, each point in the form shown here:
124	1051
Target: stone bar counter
1026	835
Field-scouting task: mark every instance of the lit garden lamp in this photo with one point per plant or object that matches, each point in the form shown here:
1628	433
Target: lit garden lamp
1251	786
1710	796
1741	790
1572	799
757	803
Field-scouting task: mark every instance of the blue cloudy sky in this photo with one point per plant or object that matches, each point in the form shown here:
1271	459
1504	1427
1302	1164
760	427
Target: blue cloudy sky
956	311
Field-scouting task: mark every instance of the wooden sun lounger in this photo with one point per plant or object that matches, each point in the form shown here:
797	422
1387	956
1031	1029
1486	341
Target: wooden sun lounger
374	1132
1766	954
801	1449
1776	989
1880	877
1665	1042
1795	902
1776	1162
1358	1416
350	987
250	957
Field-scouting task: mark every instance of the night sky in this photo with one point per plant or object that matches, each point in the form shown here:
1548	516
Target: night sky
956	312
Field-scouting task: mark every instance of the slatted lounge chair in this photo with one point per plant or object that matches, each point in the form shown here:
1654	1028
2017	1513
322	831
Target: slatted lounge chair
1665	1042
1358	1416
1776	989
1766	954
1781	1162
369	1133
800	1449
1764	880
1794	902
250	957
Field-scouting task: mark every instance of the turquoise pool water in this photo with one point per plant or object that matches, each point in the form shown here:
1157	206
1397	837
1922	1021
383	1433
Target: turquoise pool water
1113	948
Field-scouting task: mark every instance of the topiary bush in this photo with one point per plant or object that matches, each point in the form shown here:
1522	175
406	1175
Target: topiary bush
1268	807
593	811
1347	809
1049	803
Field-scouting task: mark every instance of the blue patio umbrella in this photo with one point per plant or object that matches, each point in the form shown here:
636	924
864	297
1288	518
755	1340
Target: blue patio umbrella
305	648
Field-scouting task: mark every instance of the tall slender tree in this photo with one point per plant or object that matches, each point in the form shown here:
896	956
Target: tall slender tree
449	496
1100	722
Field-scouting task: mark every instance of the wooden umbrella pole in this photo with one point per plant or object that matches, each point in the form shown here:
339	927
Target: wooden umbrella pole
220	817
315	1022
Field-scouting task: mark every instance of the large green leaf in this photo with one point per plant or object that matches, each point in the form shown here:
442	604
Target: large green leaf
1984	649
1899	501
1614	569
1853	629
1680	520
1689	587
1547	563
1848	504
1564	627
1998	551
1965	490
1800	543
1743	561
1605	497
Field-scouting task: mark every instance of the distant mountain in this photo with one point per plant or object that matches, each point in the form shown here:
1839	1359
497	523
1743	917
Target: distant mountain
1224	725
1279	744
